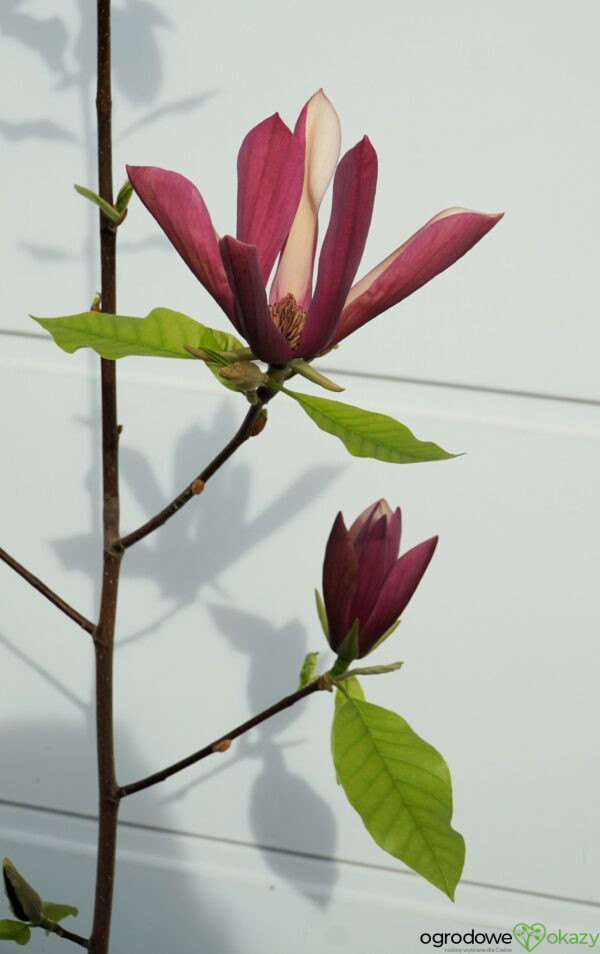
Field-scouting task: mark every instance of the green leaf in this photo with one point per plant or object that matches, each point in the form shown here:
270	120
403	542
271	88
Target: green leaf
401	788
15	931
57	912
109	211
366	433
161	334
370	671
322	614
307	371
125	193
353	688
309	667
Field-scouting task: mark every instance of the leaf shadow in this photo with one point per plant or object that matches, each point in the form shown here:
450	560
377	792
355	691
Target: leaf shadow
278	793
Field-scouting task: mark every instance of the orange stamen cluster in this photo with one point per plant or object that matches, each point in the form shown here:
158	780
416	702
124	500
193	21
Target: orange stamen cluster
289	318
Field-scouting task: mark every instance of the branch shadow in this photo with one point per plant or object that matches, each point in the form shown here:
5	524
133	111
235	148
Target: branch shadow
157	907
278	794
183	569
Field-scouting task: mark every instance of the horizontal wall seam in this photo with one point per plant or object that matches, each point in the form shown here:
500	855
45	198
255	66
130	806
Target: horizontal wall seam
182	833
399	379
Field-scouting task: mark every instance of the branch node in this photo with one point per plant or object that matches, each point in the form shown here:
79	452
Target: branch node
222	745
326	682
198	486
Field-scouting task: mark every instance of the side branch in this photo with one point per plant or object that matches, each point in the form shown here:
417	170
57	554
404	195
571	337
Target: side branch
193	488
67	935
224	741
47	592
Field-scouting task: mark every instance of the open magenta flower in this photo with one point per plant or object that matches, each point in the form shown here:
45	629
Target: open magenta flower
364	581
282	178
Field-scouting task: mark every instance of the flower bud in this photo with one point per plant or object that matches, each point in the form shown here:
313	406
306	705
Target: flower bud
25	902
365	586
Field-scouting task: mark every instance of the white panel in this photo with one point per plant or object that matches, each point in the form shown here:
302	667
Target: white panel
463	107
217	612
175	893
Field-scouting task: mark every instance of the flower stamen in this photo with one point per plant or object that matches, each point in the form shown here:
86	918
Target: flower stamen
289	318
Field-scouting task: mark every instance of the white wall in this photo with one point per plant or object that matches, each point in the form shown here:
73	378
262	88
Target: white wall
489	106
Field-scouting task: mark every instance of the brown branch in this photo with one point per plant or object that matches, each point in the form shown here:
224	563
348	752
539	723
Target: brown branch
105	631
196	486
60	931
224	741
47	592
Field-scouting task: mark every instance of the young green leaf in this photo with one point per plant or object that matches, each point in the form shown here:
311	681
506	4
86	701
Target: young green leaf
109	211
57	912
15	931
322	614
401	788
125	193
367	433
307	371
309	668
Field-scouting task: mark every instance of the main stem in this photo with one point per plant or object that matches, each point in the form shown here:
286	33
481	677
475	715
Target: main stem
105	632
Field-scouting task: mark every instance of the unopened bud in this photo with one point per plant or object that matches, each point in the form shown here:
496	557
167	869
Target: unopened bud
25	902
259	424
198	486
244	374
222	745
97	302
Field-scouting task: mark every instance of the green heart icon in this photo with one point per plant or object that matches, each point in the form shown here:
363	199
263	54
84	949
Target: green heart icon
529	935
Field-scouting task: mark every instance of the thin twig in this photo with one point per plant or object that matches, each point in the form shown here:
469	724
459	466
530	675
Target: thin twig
60	931
224	741
193	488
47	592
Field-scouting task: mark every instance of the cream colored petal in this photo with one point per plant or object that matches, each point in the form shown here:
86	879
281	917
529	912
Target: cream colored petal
321	126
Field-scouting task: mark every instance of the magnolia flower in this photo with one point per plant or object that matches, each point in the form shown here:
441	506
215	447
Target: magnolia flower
282	179
365	582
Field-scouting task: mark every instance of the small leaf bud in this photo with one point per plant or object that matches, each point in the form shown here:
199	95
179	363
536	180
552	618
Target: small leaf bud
244	374
222	745
25	902
259	424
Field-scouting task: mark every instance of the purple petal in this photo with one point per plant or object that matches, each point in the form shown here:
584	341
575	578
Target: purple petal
400	584
362	523
340	571
181	213
270	173
251	309
318	128
343	246
436	246
372	569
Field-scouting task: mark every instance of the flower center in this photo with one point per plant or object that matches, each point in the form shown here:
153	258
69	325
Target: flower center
289	318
